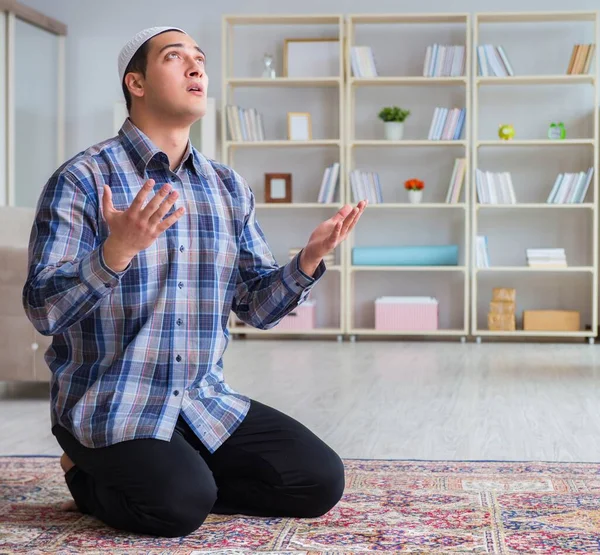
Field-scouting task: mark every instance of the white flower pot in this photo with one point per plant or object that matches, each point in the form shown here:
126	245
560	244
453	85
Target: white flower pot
394	130
415	197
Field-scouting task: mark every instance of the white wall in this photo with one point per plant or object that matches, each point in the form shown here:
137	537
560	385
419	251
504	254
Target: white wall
97	31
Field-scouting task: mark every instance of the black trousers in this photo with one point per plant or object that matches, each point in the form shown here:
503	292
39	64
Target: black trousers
270	466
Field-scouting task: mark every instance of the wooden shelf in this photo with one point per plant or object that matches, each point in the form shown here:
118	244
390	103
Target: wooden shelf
408	268
285	82
420	206
537	17
567	270
274	331
281	143
536	206
442	332
537	80
416	81
536	142
532	333
291	19
407	143
296	205
408	18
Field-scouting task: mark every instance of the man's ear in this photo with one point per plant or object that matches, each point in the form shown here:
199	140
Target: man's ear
135	84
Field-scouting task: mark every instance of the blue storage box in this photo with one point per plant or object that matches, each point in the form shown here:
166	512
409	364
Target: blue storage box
427	255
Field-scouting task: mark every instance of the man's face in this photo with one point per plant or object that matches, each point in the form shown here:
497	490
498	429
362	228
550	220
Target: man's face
176	82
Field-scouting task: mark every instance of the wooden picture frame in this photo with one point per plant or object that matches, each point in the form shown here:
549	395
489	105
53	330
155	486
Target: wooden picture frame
278	187
299	126
311	57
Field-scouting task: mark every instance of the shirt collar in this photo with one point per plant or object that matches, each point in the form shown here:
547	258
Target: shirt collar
142	150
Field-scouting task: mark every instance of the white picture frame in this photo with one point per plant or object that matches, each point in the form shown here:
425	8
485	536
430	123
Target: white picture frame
299	126
312	57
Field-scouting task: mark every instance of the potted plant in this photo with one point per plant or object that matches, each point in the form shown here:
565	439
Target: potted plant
415	190
393	120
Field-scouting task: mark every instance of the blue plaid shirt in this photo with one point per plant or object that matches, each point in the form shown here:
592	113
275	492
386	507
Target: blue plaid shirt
133	350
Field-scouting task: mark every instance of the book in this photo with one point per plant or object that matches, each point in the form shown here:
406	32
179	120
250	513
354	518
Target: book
244	124
366	185
494	187
362	62
493	61
570	188
443	60
447	124
329	184
581	59
456	180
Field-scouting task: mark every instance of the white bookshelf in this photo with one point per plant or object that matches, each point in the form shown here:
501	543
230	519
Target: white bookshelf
576	286
392	84
348	292
252	35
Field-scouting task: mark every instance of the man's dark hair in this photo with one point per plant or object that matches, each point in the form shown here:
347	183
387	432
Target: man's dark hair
138	64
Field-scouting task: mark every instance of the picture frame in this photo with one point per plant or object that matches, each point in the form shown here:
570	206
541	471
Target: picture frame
299	126
311	57
278	187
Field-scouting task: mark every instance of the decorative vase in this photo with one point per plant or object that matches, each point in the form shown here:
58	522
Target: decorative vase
394	130
415	196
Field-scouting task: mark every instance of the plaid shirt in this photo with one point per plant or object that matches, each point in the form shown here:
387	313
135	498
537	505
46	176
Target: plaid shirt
131	350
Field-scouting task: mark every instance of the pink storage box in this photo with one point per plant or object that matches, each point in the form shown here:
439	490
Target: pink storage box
301	318
406	314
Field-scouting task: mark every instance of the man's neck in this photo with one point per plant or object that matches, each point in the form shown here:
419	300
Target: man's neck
170	139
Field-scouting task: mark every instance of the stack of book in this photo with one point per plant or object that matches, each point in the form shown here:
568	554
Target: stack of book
244	124
481	253
329	259
363	62
366	185
581	59
456	181
442	60
570	188
329	184
493	61
494	188
447	124
502	313
546	258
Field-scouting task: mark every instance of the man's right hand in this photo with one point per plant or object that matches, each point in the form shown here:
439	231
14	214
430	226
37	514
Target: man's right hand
135	229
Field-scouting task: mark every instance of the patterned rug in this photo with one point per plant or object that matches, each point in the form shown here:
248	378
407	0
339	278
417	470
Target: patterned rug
388	507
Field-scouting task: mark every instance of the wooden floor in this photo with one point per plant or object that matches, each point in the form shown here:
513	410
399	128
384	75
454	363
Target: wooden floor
441	401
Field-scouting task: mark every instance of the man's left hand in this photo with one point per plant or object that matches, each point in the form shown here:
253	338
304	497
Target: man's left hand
328	235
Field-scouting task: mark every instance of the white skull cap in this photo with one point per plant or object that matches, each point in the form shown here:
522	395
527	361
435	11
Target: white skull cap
129	50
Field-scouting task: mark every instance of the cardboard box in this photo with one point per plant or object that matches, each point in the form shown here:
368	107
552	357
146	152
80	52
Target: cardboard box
502	322
502	307
551	320
504	294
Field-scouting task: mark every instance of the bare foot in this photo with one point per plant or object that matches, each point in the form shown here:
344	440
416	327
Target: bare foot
70	506
66	463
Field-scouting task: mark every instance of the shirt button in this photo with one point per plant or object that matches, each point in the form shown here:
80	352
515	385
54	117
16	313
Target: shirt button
178	358
180	285
107	285
175	393
179	321
181	248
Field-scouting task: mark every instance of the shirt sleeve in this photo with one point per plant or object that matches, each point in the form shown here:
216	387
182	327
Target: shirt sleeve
265	291
67	275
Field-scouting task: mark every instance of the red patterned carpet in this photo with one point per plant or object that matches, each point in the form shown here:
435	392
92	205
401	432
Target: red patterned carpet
388	507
